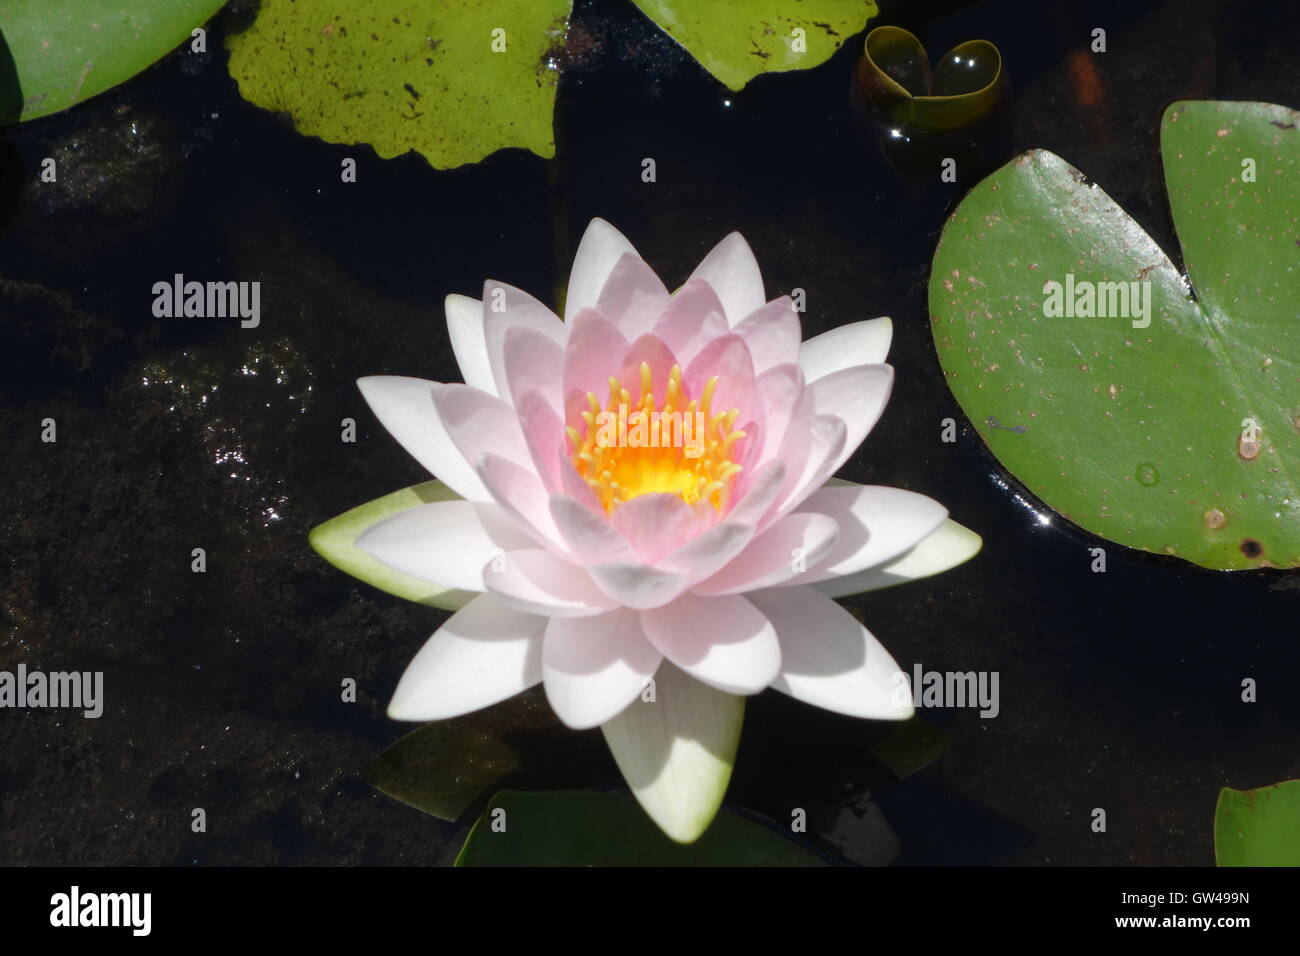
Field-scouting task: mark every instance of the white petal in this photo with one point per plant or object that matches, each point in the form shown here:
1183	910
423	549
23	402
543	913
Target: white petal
830	660
858	343
634	585
465	329
731	269
593	667
446	542
796	541
487	651
723	641
676	752
601	247
877	524
405	406
537	581
946	547
857	396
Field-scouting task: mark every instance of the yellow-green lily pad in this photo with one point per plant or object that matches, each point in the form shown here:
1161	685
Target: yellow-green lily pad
736	40
1258	827
1158	411
454	80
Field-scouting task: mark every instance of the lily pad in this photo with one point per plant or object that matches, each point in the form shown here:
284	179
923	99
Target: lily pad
335	541
577	828
448	767
61	53
1169	424
454	81
736	40
1258	827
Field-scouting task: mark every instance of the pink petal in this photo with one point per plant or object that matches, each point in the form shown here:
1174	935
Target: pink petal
587	534
779	390
724	641
796	541
505	308
655	524
480	424
536	581
595	346
534	363
772	334
484	653
601	247
635	585
727	358
732	271
593	667
544	434
633	297
693	318
820	450
521	495
652	351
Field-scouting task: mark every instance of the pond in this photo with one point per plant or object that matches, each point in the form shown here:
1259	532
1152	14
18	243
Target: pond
1118	690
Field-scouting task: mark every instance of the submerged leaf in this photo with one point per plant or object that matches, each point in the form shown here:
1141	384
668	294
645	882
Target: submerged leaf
575	828
736	40
335	541
1163	416
61	53
454	81
1258	827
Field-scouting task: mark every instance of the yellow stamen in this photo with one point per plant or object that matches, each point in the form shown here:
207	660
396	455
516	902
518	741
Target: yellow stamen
623	451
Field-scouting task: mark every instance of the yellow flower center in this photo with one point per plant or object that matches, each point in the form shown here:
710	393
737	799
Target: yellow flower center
676	447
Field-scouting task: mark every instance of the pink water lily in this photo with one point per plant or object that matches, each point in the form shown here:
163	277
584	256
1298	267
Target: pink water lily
650	586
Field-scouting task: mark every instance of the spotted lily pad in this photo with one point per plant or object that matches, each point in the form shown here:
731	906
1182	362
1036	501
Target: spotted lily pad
335	541
736	40
578	828
61	52
1258	827
1158	411
454	80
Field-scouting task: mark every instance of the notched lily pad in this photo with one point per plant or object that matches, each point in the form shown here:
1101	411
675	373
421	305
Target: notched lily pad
1159	412
335	541
1258	827
736	40
578	828
454	81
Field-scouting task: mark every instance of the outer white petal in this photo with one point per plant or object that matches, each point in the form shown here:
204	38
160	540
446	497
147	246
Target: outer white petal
405	407
465	328
601	247
877	524
731	269
857	396
537	581
487	651
858	343
593	667
446	542
830	660
723	641
676	752
946	547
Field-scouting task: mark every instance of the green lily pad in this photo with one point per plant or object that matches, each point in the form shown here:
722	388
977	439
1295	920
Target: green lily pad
454	81
335	541
578	828
448	767
1173	428
61	52
736	40
1258	827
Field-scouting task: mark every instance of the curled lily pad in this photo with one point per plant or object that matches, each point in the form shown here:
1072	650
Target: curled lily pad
966	87
1159	412
578	828
454	81
736	40
54	55
1258	827
335	541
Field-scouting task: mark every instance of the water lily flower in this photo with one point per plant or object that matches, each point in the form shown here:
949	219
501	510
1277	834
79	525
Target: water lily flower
650	585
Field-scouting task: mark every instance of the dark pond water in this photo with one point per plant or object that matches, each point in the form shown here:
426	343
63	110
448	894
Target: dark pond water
1118	690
